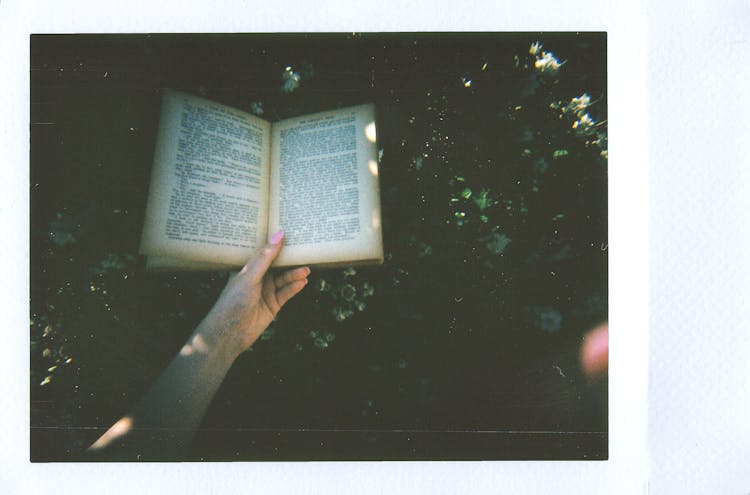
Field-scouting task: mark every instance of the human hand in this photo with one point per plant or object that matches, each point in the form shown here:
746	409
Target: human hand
177	400
251	300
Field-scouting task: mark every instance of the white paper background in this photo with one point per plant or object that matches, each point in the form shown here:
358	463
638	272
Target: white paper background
698	102
690	107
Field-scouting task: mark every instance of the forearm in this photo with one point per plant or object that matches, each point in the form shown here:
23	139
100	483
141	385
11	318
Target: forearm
161	426
163	423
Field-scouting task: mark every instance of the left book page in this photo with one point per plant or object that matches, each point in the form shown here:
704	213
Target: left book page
208	200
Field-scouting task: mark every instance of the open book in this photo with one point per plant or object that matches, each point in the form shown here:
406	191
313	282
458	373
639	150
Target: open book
224	181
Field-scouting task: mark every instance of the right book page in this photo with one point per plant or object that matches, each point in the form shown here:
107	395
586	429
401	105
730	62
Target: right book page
324	189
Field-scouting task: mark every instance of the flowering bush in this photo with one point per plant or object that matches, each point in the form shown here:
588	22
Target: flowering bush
493	184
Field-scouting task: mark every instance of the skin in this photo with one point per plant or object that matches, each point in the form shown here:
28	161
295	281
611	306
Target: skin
162	425
595	352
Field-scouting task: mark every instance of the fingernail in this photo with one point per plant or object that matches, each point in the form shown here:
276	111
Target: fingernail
276	238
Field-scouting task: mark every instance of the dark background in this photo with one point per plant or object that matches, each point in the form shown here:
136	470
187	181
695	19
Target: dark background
461	346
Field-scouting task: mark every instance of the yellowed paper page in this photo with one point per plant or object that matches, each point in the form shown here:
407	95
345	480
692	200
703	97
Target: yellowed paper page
324	190
158	263
209	185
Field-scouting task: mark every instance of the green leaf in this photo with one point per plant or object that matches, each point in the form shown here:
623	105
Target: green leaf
497	242
483	200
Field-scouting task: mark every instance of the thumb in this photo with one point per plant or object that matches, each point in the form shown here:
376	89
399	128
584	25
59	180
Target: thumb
259	264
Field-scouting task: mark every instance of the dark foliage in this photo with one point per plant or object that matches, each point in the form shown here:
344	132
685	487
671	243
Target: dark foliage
493	182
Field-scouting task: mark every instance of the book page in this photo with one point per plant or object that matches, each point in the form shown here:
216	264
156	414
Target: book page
209	185
159	263
324	190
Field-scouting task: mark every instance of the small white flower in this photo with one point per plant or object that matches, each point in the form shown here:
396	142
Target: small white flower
547	63
584	125
580	103
291	80
535	47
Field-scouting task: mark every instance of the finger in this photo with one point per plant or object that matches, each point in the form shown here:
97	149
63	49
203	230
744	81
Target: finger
290	276
594	354
289	291
258	265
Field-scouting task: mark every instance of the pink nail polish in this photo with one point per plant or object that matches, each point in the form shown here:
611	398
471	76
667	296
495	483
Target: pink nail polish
276	238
